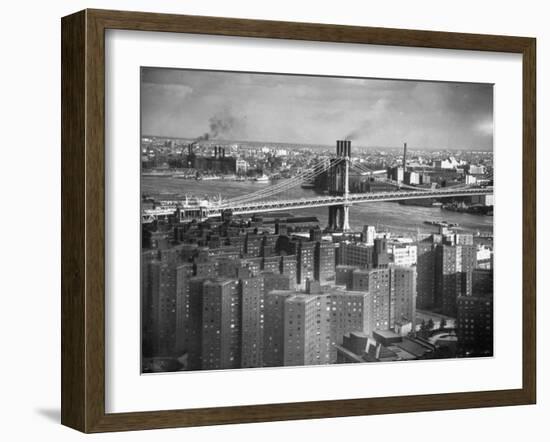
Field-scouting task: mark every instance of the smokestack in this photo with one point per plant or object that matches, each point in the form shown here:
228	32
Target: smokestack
223	152
404	157
348	143
215	151
338	145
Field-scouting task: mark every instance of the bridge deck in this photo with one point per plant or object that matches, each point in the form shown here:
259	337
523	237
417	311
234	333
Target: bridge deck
325	201
302	203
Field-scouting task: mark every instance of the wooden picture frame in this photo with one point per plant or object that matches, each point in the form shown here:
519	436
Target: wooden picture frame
83	220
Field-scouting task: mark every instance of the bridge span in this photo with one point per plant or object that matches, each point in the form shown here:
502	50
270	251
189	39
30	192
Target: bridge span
339	200
206	211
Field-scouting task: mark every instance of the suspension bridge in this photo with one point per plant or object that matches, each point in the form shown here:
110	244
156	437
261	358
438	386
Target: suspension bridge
339	199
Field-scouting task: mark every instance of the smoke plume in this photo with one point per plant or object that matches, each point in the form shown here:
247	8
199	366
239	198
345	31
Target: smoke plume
223	124
362	131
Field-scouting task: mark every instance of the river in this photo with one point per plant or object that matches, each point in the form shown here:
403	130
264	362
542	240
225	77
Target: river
391	216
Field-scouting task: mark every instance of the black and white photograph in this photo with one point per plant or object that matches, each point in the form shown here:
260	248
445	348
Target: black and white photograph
297	220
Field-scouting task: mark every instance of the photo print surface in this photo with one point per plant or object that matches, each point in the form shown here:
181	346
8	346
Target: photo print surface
296	220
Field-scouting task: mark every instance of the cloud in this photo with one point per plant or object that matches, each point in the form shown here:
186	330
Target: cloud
162	92
308	109
485	127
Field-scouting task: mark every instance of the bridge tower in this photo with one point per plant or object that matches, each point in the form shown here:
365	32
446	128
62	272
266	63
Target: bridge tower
338	216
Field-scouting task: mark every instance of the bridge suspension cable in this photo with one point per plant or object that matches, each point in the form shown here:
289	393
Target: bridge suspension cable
283	186
309	174
277	188
361	168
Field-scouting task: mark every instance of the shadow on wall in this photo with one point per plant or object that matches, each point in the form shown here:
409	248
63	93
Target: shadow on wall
51	414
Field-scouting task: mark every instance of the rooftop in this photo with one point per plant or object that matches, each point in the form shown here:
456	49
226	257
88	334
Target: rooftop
387	334
412	347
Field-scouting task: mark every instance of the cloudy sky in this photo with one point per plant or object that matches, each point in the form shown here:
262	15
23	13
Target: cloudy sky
308	109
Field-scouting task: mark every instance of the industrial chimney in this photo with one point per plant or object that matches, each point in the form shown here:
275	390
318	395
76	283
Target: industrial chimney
404	157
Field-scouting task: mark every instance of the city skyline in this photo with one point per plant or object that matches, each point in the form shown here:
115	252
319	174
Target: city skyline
300	109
